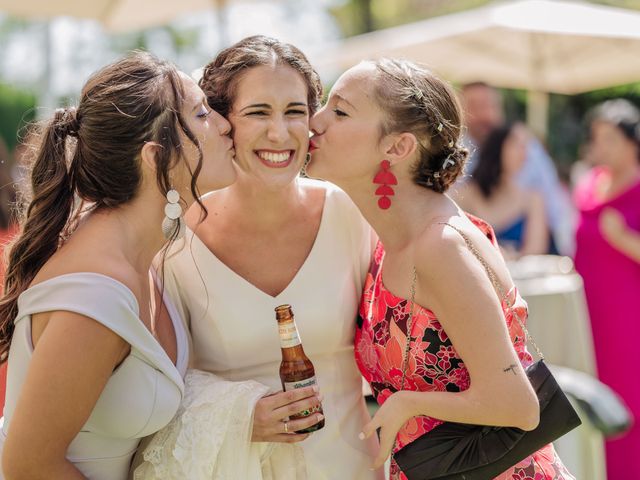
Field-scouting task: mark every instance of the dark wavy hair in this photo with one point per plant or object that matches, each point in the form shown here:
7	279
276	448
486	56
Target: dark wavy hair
88	158
220	77
488	169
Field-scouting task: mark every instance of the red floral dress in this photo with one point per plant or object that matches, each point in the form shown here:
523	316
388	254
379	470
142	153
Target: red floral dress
434	364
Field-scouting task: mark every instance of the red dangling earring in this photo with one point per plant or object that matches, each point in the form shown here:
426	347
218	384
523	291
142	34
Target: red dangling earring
384	178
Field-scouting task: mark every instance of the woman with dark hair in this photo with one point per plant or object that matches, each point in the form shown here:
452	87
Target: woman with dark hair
516	214
92	367
271	238
440	333
608	258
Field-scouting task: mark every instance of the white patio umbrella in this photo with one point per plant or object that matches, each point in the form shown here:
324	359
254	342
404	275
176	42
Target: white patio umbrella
115	15
539	45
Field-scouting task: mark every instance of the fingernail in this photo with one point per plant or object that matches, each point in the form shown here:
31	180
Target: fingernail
320	397
361	437
315	388
320	417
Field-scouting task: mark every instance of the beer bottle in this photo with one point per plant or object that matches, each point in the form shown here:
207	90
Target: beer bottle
296	370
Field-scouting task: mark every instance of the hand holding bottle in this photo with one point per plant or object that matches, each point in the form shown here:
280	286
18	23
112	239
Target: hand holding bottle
271	421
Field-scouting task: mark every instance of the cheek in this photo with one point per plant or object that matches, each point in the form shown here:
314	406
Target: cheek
300	129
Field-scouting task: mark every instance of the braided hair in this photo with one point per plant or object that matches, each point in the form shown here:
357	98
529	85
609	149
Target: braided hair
418	102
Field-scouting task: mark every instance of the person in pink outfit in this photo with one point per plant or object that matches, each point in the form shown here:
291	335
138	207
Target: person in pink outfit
608	258
389	136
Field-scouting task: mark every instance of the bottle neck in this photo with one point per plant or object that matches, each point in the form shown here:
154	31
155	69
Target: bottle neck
289	337
288	331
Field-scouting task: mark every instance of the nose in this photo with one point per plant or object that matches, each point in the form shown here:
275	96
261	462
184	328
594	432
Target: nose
315	122
277	130
222	124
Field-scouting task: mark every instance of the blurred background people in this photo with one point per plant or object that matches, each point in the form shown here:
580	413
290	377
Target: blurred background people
494	194
7	202
8	228
608	258
484	112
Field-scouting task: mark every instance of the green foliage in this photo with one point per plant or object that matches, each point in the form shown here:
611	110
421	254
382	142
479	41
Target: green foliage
17	108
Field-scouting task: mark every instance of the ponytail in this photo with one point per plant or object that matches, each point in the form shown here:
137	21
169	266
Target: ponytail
46	217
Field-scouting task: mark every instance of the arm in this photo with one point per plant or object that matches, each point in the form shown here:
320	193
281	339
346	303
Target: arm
454	283
71	363
616	231
536	234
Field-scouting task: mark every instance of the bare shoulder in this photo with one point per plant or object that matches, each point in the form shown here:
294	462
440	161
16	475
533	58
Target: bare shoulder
89	258
438	251
317	190
195	214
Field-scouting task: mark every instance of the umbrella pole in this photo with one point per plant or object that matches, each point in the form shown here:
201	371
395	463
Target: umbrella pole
47	100
538	113
220	7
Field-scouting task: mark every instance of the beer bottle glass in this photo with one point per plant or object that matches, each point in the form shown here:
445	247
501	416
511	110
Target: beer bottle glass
296	370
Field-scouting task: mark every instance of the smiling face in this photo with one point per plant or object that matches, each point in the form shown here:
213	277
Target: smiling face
212	132
270	120
345	145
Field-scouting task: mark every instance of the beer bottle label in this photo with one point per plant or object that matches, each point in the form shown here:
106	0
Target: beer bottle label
288	335
307	382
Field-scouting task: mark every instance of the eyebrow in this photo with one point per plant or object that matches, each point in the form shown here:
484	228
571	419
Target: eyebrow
266	105
341	98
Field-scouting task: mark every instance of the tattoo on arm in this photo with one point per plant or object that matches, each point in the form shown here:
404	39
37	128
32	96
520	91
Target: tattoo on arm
511	368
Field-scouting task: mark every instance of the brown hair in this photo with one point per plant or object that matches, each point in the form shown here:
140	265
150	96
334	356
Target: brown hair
418	102
122	106
220	77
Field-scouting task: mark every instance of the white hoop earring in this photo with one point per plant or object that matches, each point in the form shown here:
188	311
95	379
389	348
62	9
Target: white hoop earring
173	226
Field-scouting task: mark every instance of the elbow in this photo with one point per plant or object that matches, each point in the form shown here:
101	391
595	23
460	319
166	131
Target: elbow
530	413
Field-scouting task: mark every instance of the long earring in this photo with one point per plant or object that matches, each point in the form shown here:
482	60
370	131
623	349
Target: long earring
173	226
385	178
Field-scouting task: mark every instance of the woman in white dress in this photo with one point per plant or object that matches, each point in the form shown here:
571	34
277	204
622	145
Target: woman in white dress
273	238
90	370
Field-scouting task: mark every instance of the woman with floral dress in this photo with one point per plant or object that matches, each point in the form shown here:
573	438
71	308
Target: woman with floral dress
389	137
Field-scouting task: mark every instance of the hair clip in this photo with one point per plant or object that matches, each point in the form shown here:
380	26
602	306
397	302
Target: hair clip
451	144
440	126
448	161
418	93
436	174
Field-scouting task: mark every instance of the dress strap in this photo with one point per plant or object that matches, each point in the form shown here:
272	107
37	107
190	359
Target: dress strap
104	300
496	284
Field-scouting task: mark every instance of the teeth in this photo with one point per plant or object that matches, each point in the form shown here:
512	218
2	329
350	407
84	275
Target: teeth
274	157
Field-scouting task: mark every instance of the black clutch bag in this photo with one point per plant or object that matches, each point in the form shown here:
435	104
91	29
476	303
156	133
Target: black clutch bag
460	451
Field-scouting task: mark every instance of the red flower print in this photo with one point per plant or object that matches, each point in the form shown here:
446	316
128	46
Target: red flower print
366	352
445	355
460	376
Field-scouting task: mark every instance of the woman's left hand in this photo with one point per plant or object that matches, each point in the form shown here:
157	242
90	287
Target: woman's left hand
389	418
